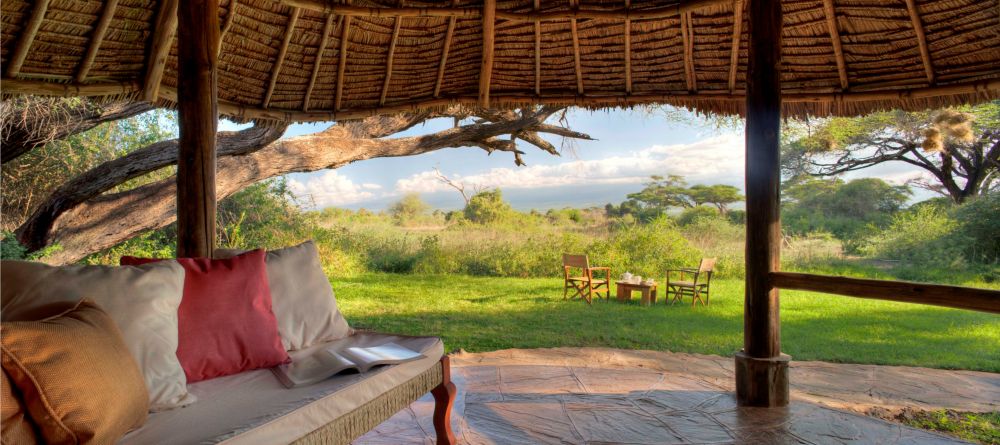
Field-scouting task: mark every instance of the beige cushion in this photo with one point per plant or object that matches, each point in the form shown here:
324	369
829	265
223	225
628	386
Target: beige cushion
17	426
254	408
301	296
142	300
77	377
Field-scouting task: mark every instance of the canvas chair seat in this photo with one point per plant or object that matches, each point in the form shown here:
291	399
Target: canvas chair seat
687	284
585	279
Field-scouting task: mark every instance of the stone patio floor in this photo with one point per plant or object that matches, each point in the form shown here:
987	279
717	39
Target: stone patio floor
614	396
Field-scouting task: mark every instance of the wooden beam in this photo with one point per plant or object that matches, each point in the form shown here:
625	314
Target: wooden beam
449	34
628	51
761	370
327	30
576	51
163	38
687	38
342	64
538	52
96	38
230	18
197	102
489	36
26	38
327	7
388	61
282	52
918	29
734	55
983	300
838	50
607	100
42	88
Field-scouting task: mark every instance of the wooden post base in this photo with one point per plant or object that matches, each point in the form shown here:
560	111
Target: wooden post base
762	382
444	399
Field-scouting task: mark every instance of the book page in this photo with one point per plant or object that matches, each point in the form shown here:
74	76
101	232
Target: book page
387	354
312	368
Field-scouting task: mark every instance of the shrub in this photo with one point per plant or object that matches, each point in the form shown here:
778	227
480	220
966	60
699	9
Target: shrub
697	213
408	209
926	236
487	207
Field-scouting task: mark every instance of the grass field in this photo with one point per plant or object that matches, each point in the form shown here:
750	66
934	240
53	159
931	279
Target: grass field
482	314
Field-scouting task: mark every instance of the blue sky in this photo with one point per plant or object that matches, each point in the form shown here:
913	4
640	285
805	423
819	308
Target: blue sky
629	146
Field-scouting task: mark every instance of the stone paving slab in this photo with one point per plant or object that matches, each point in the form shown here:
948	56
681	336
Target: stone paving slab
613	396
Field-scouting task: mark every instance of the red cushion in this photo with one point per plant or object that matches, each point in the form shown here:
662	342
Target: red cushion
225	323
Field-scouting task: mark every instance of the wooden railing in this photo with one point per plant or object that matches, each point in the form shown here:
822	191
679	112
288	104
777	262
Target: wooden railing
984	300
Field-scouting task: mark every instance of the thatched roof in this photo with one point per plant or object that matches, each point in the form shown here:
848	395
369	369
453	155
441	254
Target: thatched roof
306	60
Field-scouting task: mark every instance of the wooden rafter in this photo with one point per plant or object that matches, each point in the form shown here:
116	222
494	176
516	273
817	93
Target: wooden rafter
838	51
918	29
576	51
388	61
628	51
489	36
282	51
687	38
734	56
327	30
448	35
342	64
230	18
96	38
26	38
328	7
163	37
538	52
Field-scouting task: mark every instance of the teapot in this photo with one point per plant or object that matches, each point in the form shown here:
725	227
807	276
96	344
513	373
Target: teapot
626	276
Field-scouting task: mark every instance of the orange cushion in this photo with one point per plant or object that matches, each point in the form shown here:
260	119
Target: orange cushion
17	426
76	376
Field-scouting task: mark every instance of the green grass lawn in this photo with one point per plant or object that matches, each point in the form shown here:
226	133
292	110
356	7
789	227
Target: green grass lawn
482	314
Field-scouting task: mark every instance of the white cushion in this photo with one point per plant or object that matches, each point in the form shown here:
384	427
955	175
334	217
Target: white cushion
301	296
142	300
254	408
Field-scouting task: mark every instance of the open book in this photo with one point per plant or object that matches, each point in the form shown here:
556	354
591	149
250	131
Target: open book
328	362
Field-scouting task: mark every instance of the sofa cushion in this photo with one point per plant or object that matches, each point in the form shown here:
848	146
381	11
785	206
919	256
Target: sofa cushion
141	300
225	323
76	376
17	426
255	408
303	299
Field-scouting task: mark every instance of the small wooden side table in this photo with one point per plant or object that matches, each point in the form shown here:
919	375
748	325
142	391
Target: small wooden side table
625	288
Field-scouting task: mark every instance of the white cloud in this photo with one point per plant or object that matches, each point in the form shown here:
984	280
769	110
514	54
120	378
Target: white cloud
331	188
716	159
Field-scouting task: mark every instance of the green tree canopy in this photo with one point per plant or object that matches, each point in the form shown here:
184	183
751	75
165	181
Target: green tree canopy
487	207
408	208
958	148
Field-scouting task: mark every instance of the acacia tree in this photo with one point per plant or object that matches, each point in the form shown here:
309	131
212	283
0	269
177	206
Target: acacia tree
88	213
958	148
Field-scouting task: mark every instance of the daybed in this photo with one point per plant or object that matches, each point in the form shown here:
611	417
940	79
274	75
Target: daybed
141	305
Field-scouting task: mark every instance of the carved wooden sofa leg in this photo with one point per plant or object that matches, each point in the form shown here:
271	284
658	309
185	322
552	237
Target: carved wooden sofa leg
444	398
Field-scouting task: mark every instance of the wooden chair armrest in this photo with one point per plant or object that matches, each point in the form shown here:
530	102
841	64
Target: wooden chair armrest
600	268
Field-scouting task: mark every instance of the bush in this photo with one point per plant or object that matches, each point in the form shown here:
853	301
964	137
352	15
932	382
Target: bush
697	213
408	209
926	236
487	207
980	226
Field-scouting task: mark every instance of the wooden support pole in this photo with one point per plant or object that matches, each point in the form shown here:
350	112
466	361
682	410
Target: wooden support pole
163	37
576	51
230	18
628	51
26	38
838	50
761	369
110	6
734	55
538	52
282	51
342	64
918	29
327	30
489	36
197	111
448	35
388	61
